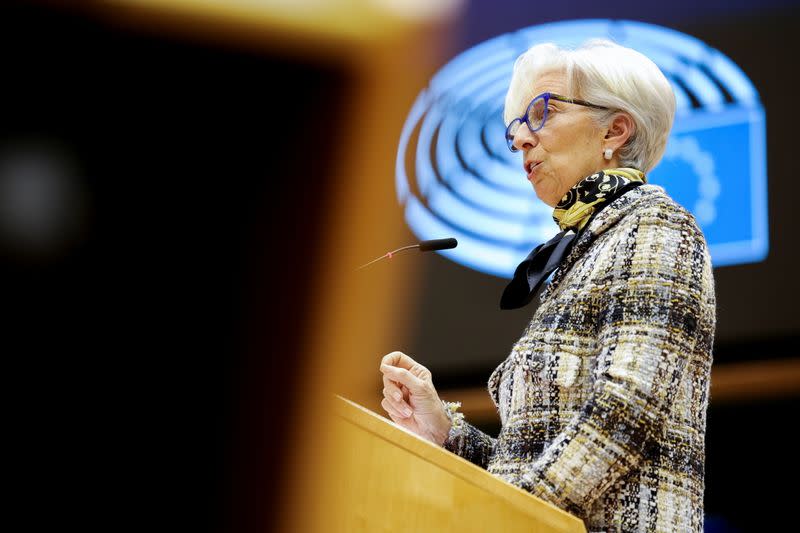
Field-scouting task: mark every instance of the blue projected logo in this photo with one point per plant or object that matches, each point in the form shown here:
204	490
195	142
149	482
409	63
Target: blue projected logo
468	184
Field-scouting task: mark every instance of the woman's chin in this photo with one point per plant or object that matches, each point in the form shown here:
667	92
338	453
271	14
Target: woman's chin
544	197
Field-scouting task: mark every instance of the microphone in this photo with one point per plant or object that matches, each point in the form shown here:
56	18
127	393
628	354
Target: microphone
424	246
437	244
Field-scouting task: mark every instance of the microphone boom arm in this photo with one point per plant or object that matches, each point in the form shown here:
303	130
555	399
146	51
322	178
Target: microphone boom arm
424	246
389	255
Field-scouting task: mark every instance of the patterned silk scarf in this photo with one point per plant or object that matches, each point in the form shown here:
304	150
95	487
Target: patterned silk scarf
591	194
573	213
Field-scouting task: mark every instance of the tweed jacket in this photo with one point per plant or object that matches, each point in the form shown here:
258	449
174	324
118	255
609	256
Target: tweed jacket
603	399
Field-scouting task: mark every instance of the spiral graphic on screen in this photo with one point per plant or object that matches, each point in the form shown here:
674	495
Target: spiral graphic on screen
456	177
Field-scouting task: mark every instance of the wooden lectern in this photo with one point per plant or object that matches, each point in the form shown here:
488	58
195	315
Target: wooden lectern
392	480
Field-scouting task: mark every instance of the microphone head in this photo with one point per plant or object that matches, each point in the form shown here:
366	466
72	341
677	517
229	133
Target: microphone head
437	244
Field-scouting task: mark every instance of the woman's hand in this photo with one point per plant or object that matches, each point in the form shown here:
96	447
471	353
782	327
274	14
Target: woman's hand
411	399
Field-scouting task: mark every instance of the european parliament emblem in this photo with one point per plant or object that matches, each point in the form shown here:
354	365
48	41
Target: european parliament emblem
468	184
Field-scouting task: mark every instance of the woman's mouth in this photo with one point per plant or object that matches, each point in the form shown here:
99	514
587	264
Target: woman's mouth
530	168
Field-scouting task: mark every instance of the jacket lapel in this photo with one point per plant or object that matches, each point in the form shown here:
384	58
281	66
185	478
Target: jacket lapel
602	222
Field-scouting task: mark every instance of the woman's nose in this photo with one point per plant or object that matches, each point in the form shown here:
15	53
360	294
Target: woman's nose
524	138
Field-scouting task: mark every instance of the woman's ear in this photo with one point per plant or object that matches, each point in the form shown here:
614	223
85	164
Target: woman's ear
619	131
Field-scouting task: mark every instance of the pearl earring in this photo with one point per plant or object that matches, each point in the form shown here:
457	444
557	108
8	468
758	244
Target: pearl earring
608	153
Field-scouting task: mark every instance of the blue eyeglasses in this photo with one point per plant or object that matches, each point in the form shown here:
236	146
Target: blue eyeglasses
536	115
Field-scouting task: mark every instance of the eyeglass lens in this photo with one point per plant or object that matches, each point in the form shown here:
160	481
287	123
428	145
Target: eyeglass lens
537	114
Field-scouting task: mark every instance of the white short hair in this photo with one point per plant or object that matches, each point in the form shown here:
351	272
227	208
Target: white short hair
607	74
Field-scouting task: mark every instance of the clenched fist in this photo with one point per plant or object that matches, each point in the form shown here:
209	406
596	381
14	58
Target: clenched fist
411	400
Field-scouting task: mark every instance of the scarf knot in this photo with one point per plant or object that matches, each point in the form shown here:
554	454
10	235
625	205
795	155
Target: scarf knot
573	213
591	194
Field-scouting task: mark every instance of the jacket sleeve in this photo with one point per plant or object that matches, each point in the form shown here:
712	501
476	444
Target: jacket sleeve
649	315
465	440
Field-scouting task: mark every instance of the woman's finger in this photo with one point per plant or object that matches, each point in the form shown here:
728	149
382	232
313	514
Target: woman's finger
403	376
394	413
398	396
398	404
405	392
389	382
393	392
398	359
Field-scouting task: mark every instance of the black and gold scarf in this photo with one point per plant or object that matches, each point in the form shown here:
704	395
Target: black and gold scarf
592	193
573	213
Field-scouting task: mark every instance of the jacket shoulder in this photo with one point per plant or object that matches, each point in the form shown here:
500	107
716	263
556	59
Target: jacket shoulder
654	206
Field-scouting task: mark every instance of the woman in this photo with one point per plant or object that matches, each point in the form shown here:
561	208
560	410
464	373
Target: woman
603	399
